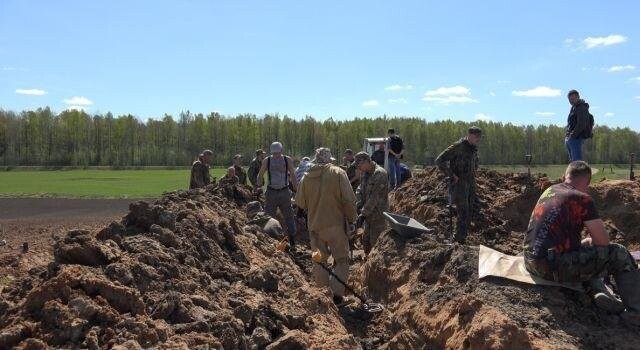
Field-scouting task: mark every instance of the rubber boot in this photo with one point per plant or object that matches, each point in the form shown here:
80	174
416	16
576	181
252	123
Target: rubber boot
603	298
629	288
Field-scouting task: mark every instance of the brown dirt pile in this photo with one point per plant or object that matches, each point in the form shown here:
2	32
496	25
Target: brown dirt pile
435	300
180	272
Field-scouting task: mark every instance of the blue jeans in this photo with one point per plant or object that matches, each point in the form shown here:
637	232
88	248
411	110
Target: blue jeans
394	172
574	147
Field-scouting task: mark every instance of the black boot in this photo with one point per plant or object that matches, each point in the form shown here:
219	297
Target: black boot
602	297
629	288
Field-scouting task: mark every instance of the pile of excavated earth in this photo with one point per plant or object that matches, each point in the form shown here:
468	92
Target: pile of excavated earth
185	272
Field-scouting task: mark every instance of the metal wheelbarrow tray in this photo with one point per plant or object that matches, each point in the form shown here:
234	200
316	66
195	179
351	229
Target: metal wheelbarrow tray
405	226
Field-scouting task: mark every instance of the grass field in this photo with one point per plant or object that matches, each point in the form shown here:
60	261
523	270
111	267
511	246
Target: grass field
556	171
151	183
95	183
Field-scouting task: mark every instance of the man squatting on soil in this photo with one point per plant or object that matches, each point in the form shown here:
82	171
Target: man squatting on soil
553	248
327	196
459	163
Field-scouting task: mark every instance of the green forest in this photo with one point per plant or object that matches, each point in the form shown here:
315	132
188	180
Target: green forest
75	138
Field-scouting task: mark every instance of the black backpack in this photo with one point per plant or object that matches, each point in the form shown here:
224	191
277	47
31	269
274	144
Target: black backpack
591	124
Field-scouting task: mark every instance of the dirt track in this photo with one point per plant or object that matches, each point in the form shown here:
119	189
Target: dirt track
37	220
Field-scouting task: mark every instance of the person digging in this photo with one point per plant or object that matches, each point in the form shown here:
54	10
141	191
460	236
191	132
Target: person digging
553	248
327	196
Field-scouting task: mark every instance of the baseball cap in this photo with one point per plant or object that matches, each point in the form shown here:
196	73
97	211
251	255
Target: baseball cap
474	130
259	152
348	151
237	156
276	147
206	152
361	157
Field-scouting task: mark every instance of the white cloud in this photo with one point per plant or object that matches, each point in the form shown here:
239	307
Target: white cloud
609	114
540	91
397	87
370	103
401	100
78	100
492	93
35	92
584	69
448	95
483	117
569	41
545	114
637	98
8	68
636	79
614	69
613	39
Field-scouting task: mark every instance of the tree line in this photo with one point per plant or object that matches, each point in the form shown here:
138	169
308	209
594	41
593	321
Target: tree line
75	138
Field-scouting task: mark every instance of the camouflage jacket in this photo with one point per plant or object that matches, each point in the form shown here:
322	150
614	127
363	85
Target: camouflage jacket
268	224
351	174
372	194
228	181
254	169
241	174
460	159
199	175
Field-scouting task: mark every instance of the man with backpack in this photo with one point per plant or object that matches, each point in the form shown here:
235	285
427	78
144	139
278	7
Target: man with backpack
281	181
396	150
579	126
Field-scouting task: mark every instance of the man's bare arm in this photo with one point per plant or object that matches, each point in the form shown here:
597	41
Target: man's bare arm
263	168
597	232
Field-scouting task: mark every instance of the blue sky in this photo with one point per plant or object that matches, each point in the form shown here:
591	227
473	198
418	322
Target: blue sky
509	61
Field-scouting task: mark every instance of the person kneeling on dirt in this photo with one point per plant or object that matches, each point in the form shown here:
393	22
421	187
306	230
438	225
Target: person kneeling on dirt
327	196
372	198
257	216
459	163
553	248
230	179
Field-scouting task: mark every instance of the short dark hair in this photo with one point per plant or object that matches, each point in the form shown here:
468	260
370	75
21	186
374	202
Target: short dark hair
391	131
579	168
573	92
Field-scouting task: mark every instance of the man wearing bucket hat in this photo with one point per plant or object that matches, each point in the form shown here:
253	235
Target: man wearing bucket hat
372	198
200	170
282	180
327	197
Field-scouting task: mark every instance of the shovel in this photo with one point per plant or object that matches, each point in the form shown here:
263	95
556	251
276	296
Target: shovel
368	307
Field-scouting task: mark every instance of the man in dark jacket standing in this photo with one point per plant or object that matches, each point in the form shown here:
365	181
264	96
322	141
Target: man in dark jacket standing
459	163
396	150
579	126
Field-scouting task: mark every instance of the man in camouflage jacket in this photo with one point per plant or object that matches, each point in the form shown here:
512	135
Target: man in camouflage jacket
459	163
372	199
200	170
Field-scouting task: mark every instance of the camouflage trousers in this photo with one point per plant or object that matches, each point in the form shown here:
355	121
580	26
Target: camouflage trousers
462	196
372	230
584	264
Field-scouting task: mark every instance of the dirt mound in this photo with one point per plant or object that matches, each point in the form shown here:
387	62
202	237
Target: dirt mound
618	202
435	300
180	272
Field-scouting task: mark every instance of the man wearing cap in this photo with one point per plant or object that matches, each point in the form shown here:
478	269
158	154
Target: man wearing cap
254	167
459	163
352	173
281	177
200	170
240	173
327	197
372	199
269	225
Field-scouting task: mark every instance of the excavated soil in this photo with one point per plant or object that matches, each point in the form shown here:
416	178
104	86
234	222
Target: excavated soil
181	272
435	300
184	272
